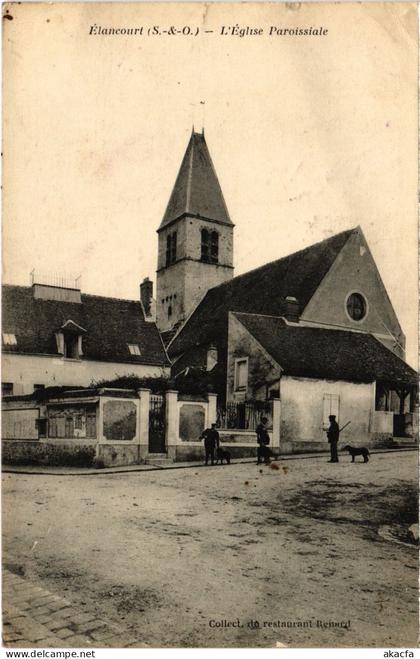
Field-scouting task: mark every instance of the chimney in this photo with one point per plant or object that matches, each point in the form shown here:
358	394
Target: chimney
292	309
212	358
146	294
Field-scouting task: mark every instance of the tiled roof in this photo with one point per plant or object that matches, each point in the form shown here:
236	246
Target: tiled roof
324	353
261	291
110	325
197	190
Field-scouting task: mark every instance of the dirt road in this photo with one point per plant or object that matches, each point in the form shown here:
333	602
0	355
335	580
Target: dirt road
190	557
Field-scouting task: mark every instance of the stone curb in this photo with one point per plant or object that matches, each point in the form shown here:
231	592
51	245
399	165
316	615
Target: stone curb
48	471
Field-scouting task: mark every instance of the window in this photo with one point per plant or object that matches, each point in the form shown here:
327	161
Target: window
41	425
9	339
331	406
241	374
91	424
214	247
171	248
71	346
7	388
356	306
205	248
134	349
72	422
209	246
69	343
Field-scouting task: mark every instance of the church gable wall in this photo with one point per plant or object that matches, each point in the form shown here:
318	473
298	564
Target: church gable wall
354	270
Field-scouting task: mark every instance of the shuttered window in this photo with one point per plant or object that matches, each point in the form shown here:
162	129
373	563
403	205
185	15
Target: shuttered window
241	374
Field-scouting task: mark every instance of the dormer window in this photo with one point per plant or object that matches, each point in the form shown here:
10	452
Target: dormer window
134	349
9	339
69	340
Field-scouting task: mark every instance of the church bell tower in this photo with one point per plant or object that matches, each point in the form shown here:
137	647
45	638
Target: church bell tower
195	238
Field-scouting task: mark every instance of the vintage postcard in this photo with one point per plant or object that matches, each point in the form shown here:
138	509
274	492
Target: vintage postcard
209	325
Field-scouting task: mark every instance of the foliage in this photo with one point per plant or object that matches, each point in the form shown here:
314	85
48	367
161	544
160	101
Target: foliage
194	381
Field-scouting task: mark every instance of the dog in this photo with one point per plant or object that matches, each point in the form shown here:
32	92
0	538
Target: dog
222	454
353	451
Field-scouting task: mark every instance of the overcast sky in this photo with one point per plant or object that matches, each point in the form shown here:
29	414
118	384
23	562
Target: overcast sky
309	136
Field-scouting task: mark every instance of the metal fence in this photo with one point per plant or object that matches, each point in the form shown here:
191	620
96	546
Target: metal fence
244	415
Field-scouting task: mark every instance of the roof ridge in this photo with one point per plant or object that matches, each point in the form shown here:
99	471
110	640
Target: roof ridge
263	315
189	177
110	297
287	256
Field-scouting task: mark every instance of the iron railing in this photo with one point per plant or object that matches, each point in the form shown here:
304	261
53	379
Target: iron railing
244	415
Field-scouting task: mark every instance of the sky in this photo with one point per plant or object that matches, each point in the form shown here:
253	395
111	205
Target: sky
309	135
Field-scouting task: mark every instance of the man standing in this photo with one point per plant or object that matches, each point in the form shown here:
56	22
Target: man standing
263	440
211	442
333	434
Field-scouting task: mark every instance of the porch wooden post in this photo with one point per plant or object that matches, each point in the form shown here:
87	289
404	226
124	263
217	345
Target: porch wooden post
412	399
402	394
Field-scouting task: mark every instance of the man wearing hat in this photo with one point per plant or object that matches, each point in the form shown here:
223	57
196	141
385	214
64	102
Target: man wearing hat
333	434
263	440
211	442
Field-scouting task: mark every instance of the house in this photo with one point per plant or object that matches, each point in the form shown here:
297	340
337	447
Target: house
316	372
54	335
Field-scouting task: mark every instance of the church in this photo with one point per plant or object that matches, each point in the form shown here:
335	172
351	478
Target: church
315	329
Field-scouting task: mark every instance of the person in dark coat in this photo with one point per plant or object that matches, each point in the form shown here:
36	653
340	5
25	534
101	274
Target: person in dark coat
263	440
211	442
333	434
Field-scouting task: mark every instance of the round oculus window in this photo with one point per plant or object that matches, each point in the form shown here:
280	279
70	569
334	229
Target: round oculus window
356	306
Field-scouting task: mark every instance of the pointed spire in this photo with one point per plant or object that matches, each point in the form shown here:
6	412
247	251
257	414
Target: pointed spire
197	191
